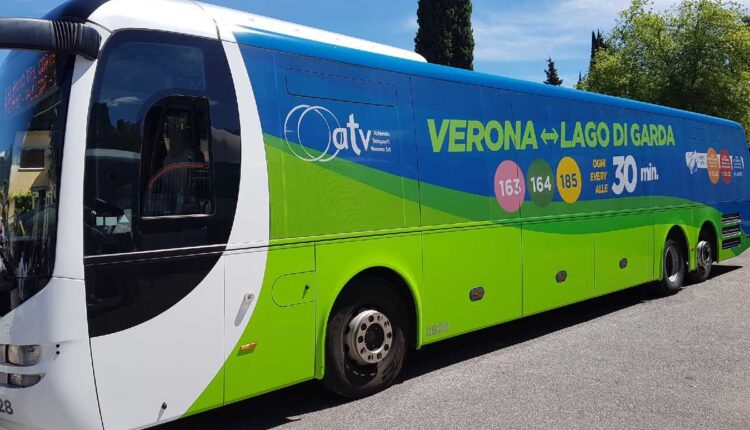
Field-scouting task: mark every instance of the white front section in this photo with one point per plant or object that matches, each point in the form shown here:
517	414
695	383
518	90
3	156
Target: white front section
69	254
176	16
173	358
252	222
65	398
170	359
123	380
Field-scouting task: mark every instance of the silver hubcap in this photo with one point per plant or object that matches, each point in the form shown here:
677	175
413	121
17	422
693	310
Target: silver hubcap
705	257
672	264
370	337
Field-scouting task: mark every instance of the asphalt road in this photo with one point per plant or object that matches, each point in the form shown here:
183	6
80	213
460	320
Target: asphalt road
631	360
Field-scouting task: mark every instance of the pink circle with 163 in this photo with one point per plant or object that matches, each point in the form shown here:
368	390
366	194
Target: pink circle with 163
510	186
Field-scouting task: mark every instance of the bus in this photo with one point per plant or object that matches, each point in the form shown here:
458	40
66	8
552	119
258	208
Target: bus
202	205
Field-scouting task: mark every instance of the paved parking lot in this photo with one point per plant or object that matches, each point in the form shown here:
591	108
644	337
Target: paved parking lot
632	360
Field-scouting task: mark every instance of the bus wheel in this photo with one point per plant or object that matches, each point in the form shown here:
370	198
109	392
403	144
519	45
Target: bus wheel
705	262
674	268
365	340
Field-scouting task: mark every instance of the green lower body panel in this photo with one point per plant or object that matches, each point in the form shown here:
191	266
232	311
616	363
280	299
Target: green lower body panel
277	348
457	262
624	258
332	221
558	269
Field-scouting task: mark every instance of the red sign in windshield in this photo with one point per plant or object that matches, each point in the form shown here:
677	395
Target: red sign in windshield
32	85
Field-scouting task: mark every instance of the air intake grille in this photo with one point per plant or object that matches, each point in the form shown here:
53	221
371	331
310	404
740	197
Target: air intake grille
731	231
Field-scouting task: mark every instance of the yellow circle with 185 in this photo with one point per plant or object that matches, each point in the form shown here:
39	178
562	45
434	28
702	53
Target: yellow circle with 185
569	180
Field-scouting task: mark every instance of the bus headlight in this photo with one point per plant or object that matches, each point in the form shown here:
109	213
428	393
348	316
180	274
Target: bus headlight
26	355
23	381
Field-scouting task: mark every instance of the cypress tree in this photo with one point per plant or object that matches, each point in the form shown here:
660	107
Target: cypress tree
553	78
597	43
445	34
593	48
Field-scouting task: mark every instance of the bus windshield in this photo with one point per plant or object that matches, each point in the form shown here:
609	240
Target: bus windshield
34	89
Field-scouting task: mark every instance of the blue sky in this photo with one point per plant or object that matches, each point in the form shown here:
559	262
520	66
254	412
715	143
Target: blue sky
513	37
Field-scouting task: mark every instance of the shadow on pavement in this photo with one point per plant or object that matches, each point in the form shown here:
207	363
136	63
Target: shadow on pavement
278	408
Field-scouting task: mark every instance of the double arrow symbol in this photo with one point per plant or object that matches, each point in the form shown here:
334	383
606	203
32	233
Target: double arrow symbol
547	137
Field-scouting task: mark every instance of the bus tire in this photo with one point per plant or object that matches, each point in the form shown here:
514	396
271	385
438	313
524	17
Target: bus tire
705	256
365	339
674	268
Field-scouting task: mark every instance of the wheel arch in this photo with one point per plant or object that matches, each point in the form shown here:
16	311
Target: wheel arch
710	229
405	285
680	234
402	287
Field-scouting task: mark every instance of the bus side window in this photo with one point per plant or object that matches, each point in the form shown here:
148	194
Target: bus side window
163	149
176	159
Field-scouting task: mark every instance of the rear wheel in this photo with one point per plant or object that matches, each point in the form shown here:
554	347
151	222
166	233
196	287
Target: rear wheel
705	262
674	267
366	339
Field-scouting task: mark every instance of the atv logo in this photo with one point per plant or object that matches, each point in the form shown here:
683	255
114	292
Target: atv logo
335	139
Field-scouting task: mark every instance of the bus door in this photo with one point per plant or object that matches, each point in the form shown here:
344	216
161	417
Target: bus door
161	185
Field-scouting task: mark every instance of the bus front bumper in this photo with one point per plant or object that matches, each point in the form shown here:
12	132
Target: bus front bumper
65	396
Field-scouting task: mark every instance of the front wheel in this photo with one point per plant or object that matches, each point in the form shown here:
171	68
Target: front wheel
365	340
674	268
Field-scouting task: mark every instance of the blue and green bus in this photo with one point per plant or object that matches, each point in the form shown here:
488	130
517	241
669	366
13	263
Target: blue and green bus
201	205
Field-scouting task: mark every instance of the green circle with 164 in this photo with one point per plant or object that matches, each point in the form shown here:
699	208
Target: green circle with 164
541	182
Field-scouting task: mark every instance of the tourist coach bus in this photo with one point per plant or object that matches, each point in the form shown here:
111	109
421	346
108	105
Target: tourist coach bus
201	205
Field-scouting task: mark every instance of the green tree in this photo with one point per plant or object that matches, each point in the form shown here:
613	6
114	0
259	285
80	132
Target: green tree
553	78
445	35
23	202
695	56
597	42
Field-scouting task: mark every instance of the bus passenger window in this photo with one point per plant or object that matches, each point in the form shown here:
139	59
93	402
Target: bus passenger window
175	160
163	147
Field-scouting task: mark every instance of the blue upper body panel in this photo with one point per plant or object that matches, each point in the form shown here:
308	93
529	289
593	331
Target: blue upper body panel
490	136
284	43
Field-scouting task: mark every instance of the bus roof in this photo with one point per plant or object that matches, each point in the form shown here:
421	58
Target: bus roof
291	43
271	33
238	20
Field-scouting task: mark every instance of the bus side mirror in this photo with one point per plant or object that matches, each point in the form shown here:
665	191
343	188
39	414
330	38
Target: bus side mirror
51	36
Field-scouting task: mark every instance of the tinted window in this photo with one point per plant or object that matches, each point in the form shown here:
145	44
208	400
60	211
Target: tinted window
34	90
163	151
176	160
32	159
